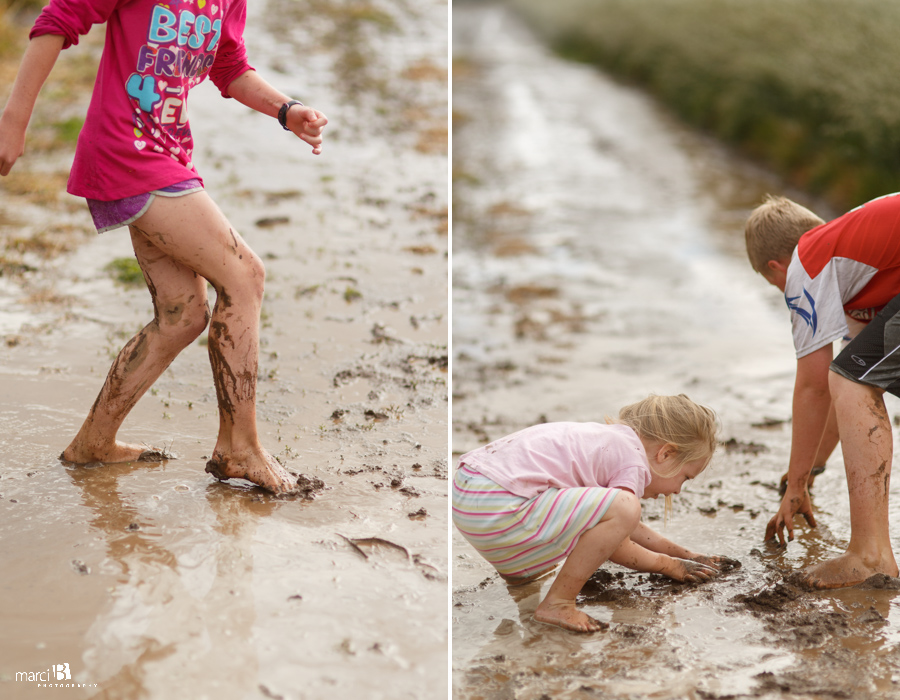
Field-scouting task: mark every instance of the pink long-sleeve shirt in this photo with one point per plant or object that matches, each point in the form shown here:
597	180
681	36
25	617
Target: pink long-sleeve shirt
136	136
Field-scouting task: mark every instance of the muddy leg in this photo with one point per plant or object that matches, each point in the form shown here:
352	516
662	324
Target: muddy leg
867	445
180	314
594	547
192	231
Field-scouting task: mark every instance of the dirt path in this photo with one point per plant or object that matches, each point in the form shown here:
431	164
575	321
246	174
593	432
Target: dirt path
598	258
155	581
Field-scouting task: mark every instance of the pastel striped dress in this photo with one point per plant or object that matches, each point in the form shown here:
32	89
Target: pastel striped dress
524	500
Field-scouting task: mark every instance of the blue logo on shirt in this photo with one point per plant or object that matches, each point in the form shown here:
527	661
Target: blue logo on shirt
811	318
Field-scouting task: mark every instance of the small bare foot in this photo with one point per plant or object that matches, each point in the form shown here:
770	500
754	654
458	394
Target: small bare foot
849	569
564	614
261	468
116	453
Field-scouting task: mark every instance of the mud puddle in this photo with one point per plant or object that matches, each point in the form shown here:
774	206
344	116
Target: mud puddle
155	581
598	257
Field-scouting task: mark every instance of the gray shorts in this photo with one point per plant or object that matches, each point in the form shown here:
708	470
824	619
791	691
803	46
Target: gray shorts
873	356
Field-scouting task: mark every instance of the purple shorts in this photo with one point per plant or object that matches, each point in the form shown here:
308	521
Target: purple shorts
121	212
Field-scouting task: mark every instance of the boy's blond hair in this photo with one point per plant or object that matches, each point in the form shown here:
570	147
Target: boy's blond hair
675	420
773	229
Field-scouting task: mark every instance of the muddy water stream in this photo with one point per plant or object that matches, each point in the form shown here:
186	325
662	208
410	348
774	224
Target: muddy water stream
598	257
156	581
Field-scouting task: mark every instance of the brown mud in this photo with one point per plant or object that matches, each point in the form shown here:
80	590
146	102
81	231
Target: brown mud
598	257
154	580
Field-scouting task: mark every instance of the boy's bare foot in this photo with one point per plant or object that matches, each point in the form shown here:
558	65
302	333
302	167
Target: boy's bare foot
849	569
261	468
564	614
116	453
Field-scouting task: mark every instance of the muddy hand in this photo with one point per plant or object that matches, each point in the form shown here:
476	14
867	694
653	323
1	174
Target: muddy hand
718	562
696	572
794	502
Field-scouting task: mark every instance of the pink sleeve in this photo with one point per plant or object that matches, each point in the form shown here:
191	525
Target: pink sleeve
231	54
72	19
631	478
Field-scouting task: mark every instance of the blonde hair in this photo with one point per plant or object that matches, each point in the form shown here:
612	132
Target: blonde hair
675	420
773	229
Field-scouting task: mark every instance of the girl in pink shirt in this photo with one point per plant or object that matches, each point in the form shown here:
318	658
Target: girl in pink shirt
134	165
571	491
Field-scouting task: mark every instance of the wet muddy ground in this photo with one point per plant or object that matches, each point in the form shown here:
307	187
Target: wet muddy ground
156	581
598	257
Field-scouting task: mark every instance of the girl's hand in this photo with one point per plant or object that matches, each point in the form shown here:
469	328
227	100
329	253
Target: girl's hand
689	571
307	124
12	145
718	562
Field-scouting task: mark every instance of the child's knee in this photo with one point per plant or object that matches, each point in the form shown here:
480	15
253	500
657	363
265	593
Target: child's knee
183	319
627	508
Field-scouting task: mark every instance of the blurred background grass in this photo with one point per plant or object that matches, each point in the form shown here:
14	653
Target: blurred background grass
809	87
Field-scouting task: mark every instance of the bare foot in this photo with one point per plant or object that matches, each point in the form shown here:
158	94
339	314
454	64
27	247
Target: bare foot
564	614
116	453
261	468
849	569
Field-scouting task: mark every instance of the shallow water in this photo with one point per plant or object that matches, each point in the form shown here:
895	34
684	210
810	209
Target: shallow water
598	257
156	581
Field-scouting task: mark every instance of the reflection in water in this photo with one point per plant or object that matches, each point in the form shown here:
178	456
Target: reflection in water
172	612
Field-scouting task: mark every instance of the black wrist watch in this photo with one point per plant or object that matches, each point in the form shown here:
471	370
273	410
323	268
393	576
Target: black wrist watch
282	113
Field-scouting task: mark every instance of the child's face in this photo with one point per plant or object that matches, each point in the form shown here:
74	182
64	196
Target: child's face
664	485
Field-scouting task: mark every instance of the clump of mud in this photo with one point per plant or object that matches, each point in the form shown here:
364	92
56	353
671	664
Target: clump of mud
308	486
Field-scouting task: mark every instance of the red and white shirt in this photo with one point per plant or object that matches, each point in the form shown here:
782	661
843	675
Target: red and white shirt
848	267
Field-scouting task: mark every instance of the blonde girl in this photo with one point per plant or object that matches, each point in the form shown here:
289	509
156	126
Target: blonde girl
570	491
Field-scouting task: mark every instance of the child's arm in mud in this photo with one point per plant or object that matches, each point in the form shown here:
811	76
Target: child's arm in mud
811	407
634	556
305	122
38	61
647	537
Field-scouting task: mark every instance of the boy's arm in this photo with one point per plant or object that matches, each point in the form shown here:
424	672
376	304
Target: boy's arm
634	556
253	91
38	61
811	407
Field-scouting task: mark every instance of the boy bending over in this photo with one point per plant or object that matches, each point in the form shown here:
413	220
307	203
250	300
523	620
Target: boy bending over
840	280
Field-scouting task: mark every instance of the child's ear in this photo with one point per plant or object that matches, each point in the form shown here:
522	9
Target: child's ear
777	266
665	451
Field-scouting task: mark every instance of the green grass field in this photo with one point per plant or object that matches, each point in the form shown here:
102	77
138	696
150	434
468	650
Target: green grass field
810	87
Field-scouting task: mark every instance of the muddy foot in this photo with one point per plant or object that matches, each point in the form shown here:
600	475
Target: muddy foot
260	469
567	616
846	570
120	452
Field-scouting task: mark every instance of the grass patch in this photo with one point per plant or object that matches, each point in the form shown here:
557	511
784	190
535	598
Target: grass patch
126	271
807	86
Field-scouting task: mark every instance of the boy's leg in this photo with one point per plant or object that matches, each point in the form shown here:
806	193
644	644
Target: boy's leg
594	547
192	231
180	313
867	445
